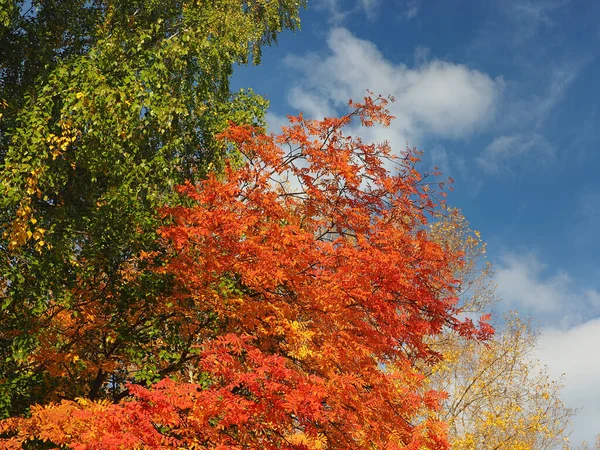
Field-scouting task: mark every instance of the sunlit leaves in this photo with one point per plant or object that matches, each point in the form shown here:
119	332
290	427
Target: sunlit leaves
323	287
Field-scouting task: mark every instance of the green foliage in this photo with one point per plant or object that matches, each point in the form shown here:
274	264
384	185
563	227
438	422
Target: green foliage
106	105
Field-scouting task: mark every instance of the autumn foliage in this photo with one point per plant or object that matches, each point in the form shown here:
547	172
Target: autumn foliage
307	288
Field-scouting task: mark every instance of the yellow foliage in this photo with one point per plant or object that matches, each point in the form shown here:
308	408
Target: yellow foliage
316	443
499	396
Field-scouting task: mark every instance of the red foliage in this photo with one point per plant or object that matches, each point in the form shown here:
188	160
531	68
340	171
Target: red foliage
323	289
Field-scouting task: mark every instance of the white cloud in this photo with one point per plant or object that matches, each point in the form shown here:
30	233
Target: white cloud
521	285
524	284
447	99
437	98
497	155
572	352
571	336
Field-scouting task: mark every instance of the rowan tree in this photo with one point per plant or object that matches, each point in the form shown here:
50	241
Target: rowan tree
308	288
105	105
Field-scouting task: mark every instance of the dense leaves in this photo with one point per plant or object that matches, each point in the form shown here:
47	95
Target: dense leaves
308	287
106	105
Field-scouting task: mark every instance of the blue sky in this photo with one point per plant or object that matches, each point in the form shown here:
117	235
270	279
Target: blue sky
504	96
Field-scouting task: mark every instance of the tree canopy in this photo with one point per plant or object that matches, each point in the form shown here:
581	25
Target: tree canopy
106	105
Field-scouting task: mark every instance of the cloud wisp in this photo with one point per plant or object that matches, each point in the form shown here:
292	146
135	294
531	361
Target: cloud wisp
524	283
498	155
339	11
521	122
